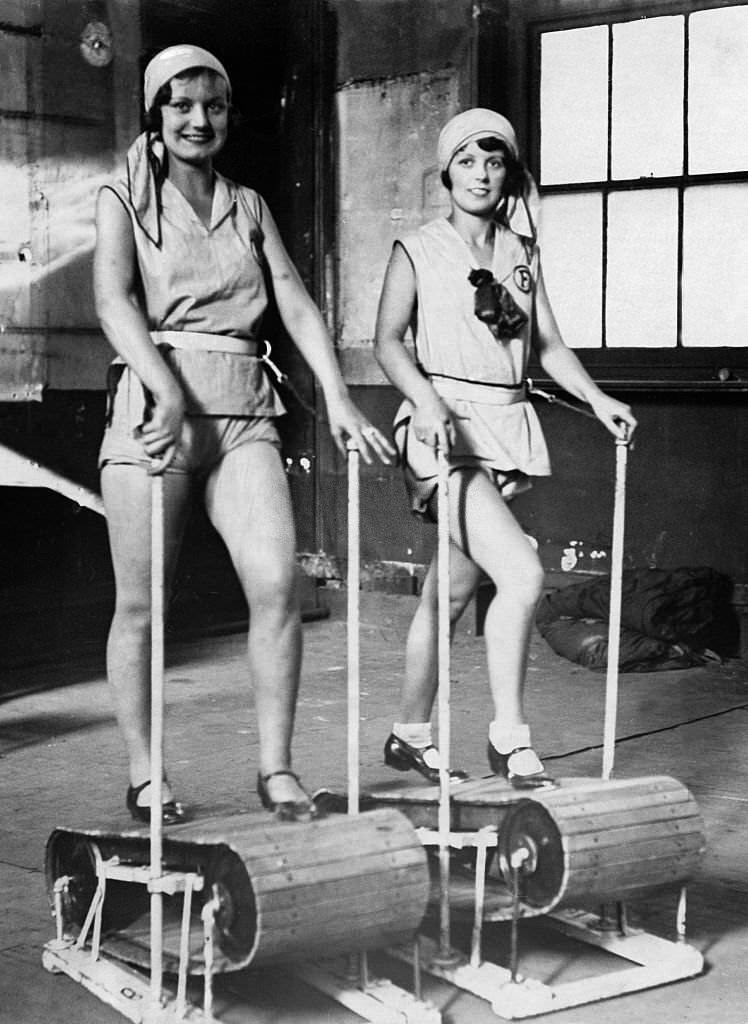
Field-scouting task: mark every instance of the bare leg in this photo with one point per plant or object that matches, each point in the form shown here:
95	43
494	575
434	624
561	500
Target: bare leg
496	542
485	536
248	501
127	498
419	688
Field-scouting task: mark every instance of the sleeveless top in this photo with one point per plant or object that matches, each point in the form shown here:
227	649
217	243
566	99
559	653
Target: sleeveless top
208	279
495	426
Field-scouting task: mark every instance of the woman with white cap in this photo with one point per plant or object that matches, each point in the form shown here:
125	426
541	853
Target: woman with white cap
470	285
183	258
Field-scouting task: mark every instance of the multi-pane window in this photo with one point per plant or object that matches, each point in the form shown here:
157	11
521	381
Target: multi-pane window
643	156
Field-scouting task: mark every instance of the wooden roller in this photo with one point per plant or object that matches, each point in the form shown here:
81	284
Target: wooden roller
286	891
601	839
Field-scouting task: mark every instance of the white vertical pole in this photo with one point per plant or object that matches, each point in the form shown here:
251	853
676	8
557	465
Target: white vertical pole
353	618
476	948
208	915
360	963
614	621
444	682
157	731
180	1008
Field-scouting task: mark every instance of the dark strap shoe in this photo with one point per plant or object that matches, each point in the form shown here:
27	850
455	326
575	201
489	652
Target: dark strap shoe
172	812
404	758
285	810
509	767
328	802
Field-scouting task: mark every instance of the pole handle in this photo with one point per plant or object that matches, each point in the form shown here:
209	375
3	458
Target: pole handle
443	697
614	619
353	619
157	730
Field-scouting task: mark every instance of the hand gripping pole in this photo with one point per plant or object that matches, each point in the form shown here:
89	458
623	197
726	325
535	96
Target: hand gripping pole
157	732
614	621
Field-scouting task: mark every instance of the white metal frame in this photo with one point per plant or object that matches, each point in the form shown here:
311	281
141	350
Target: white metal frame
658	961
144	1000
375	999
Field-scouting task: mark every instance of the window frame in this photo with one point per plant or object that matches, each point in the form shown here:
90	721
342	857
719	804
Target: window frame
677	368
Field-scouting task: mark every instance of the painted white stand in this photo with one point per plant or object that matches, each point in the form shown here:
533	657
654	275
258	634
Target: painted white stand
128	991
657	962
378	1000
375	999
124	989
144	1000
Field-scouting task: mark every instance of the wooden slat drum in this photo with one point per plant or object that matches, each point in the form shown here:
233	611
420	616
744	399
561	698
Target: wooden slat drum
605	840
287	890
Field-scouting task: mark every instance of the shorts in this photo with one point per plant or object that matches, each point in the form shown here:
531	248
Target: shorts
422	490
418	462
205	440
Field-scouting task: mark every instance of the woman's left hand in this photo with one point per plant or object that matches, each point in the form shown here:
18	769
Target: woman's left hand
347	423
615	415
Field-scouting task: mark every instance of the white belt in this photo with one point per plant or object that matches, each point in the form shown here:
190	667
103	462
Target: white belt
472	391
198	341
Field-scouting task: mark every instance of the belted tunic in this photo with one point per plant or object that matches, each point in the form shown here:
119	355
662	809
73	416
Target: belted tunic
207	280
479	377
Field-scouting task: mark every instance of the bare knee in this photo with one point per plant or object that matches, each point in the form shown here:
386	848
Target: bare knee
132	615
522	583
529	585
274	594
459	598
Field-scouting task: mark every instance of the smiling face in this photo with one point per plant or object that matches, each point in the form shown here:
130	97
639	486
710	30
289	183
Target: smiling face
194	121
477	178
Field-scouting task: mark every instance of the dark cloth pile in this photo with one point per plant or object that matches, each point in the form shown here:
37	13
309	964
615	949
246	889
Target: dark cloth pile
669	620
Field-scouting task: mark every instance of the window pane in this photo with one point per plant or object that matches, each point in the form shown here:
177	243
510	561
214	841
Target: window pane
647	108
718	90
574	105
642	284
571	241
715	257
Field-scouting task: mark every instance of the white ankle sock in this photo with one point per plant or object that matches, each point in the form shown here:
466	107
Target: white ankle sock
417	734
506	740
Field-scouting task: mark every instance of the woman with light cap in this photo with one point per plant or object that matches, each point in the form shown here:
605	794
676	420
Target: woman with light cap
470	284
182	260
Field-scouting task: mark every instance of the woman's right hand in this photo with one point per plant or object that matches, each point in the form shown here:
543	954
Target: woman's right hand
432	424
161	432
